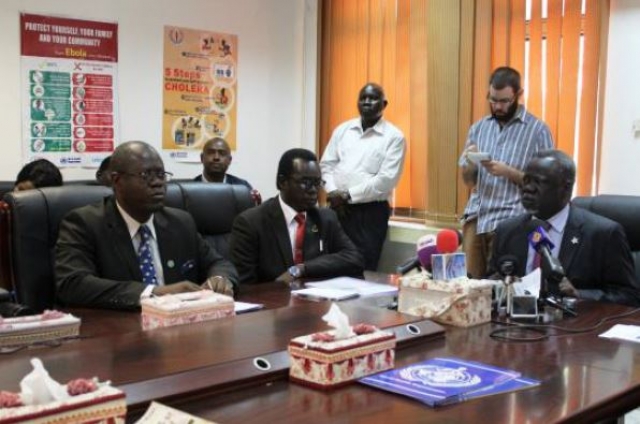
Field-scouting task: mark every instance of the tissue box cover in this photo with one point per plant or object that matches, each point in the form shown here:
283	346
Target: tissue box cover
106	405
185	308
50	325
461	302
330	364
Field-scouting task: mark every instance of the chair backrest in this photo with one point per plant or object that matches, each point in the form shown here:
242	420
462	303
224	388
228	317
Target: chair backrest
6	187
214	207
622	209
35	219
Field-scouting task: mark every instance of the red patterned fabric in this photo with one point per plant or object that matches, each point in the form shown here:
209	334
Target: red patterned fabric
9	399
81	386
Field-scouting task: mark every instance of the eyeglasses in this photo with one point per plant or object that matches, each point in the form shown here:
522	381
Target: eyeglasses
149	176
309	183
501	101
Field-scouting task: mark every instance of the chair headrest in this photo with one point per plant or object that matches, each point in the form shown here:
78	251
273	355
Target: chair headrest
215	206
619	208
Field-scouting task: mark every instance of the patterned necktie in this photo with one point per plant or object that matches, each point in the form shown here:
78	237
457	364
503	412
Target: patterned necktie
298	255
145	257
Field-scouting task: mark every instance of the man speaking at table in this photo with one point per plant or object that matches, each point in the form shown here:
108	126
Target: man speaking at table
592	249
113	253
288	237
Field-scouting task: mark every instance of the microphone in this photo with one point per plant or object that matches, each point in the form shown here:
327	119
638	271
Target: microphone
448	241
507	266
425	248
408	266
552	270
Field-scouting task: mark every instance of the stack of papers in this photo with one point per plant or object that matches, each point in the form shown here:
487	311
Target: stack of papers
241	307
629	333
342	288
443	381
361	287
321	293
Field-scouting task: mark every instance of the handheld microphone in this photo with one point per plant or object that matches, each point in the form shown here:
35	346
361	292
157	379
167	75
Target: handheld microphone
425	248
552	270
448	241
411	264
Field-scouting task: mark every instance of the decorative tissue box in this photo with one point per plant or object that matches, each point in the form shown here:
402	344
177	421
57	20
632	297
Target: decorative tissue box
105	405
320	361
48	326
461	302
43	400
185	308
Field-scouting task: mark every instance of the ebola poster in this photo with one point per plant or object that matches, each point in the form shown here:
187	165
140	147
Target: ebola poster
69	94
199	90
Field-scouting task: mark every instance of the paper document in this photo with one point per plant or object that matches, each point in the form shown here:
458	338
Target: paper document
361	287
529	285
159	413
623	332
321	293
241	307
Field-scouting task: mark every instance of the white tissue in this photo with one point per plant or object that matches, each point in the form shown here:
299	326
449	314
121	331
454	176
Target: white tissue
38	387
340	321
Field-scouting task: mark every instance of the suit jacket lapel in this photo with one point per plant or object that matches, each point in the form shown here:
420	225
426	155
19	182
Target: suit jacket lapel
312	235
163	233
121	239
279	230
571	238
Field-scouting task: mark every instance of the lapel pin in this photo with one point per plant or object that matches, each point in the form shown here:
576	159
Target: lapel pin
574	240
170	263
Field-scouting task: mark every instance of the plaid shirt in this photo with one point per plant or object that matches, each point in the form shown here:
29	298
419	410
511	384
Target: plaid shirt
494	198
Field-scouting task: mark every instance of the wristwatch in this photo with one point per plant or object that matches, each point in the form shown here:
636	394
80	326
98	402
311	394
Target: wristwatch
295	271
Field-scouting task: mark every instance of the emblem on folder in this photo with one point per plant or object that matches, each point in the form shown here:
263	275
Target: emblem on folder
433	375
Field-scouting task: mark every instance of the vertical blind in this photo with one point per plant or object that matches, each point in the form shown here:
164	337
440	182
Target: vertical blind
434	58
556	44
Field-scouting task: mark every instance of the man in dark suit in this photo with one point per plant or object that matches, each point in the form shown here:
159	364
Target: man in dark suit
113	253
216	158
288	237
593	250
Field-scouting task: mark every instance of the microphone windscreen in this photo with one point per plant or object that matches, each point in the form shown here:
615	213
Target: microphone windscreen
447	241
425	248
507	265
539	237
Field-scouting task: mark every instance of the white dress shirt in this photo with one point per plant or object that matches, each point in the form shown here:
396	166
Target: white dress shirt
205	179
366	163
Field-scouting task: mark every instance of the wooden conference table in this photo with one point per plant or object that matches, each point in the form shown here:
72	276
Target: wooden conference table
210	369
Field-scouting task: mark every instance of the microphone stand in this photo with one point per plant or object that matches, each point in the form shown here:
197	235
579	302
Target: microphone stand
546	299
551	301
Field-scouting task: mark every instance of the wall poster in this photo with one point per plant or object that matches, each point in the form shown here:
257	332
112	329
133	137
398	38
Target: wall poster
69	80
200	90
